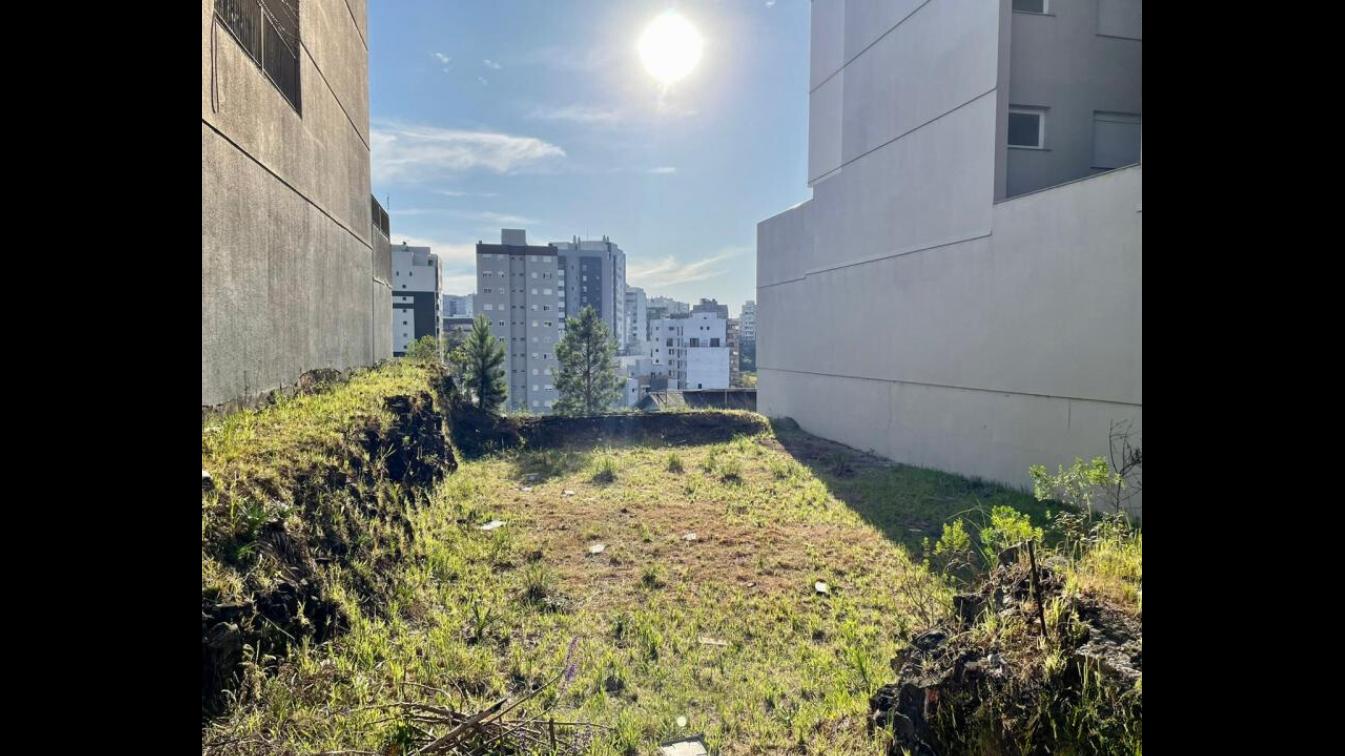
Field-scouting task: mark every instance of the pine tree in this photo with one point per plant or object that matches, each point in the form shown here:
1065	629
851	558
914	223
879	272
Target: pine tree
480	362
588	381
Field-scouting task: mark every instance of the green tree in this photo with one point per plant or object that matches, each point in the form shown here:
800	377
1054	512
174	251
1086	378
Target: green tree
423	349
588	381
480	362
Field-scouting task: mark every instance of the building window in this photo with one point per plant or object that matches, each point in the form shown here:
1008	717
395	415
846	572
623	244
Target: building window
268	31
1030	6
1116	139
1027	127
714	342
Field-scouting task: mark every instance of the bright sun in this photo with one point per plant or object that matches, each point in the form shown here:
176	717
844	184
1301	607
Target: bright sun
670	48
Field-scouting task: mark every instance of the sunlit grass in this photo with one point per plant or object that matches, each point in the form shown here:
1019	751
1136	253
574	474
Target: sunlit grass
701	605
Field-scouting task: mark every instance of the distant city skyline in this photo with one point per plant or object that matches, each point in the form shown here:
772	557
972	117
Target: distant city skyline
490	115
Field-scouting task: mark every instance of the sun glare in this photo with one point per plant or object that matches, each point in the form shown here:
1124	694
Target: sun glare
670	48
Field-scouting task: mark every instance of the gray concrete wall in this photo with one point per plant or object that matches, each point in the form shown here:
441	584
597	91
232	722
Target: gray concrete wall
943	329
288	265
1071	62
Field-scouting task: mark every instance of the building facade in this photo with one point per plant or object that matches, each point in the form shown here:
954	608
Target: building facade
458	327
521	290
748	319
976	217
733	333
693	351
670	306
596	277
459	305
292	276
637	320
417	304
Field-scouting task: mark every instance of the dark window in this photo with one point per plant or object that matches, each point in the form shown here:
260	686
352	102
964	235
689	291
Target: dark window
268	31
1025	128
714	342
1030	6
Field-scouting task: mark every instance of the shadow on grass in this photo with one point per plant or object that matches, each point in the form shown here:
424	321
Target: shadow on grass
907	504
541	465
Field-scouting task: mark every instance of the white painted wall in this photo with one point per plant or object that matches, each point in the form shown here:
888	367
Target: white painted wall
943	329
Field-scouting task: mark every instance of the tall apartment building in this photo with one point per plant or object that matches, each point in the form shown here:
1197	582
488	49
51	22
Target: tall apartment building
733	333
596	276
293	276
637	319
747	346
971	253
712	306
693	350
417	291
521	290
670	305
748	319
653	314
458	305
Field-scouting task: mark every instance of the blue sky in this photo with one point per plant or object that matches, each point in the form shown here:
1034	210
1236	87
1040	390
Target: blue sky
538	114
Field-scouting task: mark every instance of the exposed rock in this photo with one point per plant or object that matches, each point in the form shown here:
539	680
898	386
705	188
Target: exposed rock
947	671
315	380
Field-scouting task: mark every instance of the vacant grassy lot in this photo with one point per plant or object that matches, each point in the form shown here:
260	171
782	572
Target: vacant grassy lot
701	604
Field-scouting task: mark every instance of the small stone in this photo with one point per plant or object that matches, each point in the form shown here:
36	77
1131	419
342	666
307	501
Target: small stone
493	524
567	492
821	587
688	747
597	548
207	482
689	537
525	489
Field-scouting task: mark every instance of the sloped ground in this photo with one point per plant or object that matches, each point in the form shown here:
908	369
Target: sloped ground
700	604
301	500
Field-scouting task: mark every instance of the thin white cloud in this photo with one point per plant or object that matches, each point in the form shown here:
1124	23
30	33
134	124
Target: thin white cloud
411	153
499	219
569	58
443	58
664	169
488	63
460	193
584	114
481	79
459	283
451	253
669	271
770	3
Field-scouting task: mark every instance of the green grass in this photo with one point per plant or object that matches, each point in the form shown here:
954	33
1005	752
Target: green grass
256	458
487	614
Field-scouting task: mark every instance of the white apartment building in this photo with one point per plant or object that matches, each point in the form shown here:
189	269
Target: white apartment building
637	320
521	290
670	306
971	254
693	351
417	288
596	276
637	369
748	321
